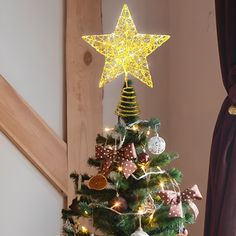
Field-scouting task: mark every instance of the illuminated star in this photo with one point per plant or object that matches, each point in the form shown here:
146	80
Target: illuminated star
126	50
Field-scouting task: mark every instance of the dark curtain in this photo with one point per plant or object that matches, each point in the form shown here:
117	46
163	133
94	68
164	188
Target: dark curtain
221	200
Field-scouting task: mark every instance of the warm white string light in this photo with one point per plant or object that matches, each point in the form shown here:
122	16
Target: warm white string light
149	173
84	229
142	210
162	184
107	129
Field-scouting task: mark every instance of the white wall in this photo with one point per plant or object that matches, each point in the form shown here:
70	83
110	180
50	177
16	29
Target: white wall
31	59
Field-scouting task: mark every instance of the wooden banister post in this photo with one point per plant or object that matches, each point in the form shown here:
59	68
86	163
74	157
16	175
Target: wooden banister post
84	98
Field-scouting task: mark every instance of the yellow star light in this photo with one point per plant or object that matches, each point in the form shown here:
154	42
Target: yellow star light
126	50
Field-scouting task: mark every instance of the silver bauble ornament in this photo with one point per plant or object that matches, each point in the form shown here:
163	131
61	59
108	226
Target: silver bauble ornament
156	145
139	232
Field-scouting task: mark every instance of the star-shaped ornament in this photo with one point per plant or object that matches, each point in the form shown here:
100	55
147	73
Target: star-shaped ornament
126	50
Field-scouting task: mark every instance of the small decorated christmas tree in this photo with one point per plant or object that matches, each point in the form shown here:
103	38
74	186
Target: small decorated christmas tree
133	193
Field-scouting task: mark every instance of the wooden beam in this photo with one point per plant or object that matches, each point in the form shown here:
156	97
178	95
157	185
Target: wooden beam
33	137
84	98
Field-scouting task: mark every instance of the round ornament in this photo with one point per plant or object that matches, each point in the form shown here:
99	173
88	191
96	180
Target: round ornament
184	233
119	204
97	182
143	157
139	232
156	145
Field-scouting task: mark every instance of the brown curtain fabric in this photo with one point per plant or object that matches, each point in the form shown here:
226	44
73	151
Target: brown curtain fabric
221	199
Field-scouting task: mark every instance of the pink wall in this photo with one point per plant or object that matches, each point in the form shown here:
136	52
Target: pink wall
188	90
195	90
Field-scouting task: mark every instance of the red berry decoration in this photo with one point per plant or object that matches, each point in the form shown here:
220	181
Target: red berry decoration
119	204
143	157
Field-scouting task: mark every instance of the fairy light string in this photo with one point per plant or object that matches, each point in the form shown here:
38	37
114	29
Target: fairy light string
148	210
175	186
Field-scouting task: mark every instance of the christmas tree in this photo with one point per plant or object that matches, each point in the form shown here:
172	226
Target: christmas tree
134	192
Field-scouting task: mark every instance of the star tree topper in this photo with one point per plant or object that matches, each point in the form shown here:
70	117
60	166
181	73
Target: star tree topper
126	50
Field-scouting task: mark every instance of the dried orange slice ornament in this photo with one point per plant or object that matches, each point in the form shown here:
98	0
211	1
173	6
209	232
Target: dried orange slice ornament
97	182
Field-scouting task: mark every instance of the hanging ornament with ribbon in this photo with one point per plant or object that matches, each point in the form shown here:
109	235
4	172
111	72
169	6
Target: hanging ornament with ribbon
124	157
175	200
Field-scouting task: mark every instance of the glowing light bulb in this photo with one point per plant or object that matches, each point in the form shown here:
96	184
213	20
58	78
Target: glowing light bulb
85	212
116	205
140	211
162	184
84	229
151	217
135	128
148	132
143	167
120	169
107	129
